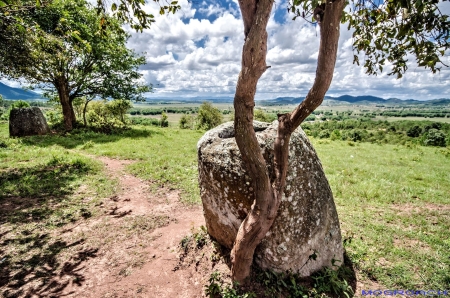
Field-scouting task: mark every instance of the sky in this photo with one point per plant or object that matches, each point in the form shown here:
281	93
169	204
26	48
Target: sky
197	52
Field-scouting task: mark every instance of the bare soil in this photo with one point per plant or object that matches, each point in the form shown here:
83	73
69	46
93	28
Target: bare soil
142	264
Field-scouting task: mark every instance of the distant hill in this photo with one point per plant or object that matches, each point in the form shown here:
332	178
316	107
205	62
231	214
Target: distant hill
363	99
17	93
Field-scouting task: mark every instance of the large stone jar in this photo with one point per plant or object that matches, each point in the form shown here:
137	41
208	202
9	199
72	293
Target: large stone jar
305	235
27	122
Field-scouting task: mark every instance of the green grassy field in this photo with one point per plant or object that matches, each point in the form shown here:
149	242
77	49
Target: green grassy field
393	201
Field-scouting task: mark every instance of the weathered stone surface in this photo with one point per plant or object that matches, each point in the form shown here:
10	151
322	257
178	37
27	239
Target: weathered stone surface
27	122
307	224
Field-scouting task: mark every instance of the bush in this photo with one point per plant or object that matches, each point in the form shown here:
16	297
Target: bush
260	115
434	137
186	122
354	135
324	134
118	108
310	118
54	117
208	116
100	117
4	112
145	121
414	131
336	135
20	104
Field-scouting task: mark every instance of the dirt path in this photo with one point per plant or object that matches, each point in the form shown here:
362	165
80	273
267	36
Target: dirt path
138	239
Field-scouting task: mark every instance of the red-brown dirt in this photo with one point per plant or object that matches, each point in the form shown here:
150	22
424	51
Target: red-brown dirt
139	265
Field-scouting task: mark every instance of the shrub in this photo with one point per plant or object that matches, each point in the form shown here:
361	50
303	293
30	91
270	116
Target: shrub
20	104
164	121
434	137
99	116
118	108
4	112
354	135
54	116
186	122
336	135
414	131
260	115
310	118
324	134
145	121
208	116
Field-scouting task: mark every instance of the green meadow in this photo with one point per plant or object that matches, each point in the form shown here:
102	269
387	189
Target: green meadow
393	200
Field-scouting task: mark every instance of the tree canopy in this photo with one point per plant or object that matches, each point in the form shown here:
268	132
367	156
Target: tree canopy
389	31
66	51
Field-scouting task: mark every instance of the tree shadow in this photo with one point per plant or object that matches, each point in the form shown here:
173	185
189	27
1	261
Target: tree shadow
30	194
33	201
84	137
40	274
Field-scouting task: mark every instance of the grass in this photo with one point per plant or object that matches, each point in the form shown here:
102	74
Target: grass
165	156
393	201
394	207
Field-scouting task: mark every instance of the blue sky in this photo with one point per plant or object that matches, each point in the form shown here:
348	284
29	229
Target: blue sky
197	52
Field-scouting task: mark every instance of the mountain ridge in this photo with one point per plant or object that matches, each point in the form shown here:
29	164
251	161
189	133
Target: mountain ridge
12	93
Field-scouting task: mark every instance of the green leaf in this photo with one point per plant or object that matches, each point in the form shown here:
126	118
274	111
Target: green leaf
114	7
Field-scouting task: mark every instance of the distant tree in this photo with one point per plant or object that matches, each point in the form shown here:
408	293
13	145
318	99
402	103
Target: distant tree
208	116
164	121
186	122
66	54
414	131
119	107
434	137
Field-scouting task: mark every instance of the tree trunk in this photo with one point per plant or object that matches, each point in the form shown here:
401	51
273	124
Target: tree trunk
260	218
84	111
62	86
268	192
74	117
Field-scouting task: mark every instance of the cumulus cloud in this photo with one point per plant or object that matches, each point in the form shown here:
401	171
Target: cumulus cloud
198	52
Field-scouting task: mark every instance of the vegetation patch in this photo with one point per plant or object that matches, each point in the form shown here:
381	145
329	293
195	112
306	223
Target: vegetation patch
201	251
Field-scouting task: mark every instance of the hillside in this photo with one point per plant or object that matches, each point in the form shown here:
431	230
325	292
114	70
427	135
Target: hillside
17	93
363	99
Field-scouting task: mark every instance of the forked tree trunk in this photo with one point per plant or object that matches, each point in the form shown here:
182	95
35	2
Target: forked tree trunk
268	192
62	86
